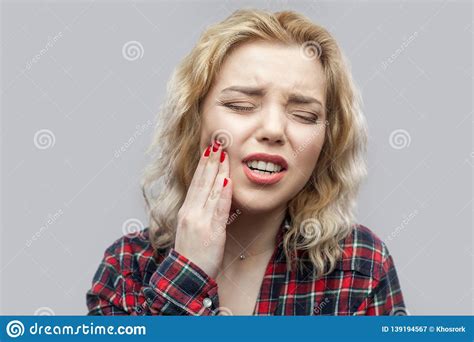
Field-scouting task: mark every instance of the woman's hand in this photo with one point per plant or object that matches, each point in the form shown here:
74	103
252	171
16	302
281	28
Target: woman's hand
201	228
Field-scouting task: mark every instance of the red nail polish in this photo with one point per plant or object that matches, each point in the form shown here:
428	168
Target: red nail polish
215	147
222	156
207	152
225	182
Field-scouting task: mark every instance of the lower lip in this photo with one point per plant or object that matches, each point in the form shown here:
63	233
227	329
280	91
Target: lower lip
263	179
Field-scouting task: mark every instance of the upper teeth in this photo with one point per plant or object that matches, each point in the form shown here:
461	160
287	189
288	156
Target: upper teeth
265	166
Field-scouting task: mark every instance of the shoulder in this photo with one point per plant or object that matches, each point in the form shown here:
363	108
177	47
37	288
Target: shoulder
363	252
132	253
131	244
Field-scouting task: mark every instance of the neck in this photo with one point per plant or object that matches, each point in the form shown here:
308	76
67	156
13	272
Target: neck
251	233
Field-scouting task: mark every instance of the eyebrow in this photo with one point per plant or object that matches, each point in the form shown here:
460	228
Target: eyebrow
245	90
253	91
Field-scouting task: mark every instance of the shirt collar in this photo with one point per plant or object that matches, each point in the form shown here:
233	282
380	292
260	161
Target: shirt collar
284	228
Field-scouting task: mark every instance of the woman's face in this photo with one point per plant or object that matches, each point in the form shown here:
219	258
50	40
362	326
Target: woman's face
266	99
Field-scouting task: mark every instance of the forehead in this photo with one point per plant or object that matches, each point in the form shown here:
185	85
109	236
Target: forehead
280	68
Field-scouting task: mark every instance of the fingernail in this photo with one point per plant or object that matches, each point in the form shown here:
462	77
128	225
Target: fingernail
215	147
225	182
207	152
222	156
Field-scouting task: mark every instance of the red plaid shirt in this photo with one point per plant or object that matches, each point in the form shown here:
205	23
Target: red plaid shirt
132	279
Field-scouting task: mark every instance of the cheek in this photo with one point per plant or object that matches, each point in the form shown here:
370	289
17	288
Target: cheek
205	137
308	149
215	126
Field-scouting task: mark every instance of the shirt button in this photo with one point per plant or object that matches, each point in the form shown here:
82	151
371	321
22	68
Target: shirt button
207	302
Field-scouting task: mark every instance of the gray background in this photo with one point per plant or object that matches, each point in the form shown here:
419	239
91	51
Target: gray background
418	196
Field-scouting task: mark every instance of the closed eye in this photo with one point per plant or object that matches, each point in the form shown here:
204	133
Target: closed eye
238	108
312	118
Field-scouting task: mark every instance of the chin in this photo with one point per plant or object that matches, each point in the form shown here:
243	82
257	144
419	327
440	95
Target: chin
255	201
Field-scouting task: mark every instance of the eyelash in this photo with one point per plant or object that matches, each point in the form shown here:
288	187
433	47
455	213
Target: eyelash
241	108
247	109
312	120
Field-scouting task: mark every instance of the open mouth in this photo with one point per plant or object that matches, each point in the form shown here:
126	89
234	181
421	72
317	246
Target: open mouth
264	174
264	168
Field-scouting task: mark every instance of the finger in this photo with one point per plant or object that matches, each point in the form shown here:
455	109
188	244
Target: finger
198	172
218	186
222	206
205	183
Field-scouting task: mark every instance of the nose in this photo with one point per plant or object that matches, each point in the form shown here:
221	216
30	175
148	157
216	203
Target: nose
272	126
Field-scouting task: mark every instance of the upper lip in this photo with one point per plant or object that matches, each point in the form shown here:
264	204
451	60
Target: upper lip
273	158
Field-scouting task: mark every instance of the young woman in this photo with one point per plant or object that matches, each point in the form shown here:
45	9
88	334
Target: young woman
260	150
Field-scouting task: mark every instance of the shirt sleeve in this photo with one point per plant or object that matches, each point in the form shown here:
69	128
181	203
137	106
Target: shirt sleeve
386	297
177	287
